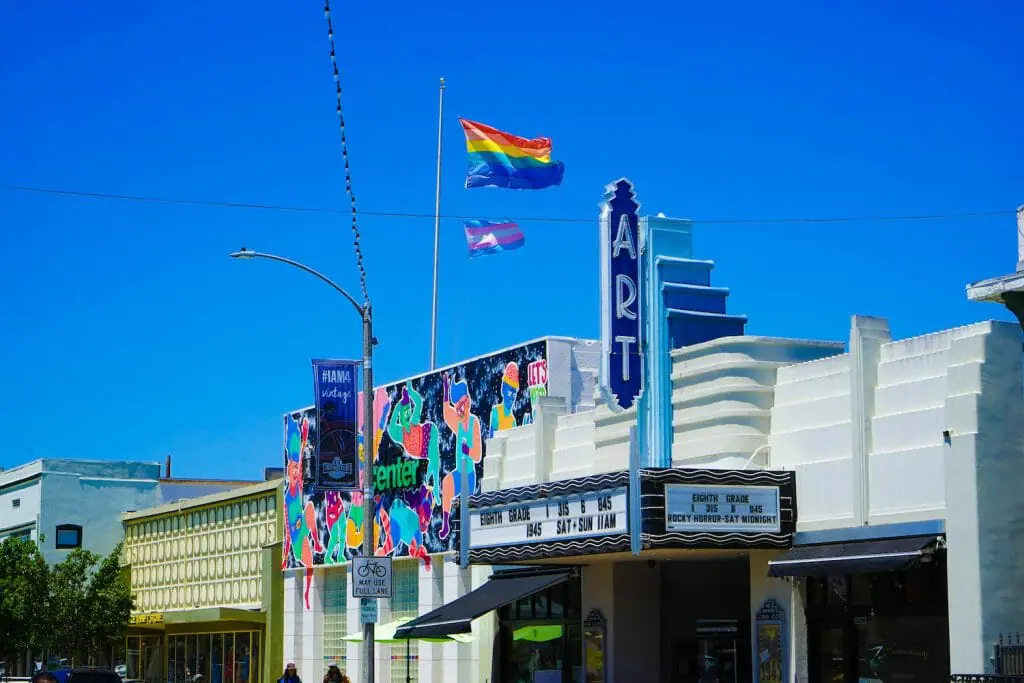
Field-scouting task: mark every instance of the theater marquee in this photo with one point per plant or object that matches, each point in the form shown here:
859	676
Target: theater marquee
679	508
567	518
691	508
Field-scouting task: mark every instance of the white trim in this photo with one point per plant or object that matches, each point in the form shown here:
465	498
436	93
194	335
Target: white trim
873	556
453	621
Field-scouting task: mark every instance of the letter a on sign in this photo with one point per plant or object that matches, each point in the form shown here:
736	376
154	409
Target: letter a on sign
621	361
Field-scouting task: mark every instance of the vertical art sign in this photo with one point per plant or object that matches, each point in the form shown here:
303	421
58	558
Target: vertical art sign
621	359
336	456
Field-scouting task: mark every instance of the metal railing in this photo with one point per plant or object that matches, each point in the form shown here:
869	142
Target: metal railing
1008	661
1009	656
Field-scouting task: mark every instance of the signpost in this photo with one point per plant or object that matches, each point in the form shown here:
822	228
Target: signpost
337	450
371	577
622	348
581	515
740	509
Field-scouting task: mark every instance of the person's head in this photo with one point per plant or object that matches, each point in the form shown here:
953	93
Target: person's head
44	677
510	386
289	670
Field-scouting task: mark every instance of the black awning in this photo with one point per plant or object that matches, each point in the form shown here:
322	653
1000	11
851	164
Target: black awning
861	557
500	590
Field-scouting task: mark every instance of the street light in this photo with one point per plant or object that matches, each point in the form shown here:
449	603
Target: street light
368	507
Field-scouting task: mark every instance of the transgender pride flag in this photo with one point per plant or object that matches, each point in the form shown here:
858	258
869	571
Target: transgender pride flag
490	237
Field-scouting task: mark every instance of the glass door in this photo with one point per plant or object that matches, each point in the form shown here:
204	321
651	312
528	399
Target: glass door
717	660
831	654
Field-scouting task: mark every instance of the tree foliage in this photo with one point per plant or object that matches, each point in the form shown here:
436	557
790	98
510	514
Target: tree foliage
110	600
75	609
24	590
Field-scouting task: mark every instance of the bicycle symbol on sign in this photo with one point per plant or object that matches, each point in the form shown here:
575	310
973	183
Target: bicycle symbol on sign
371	567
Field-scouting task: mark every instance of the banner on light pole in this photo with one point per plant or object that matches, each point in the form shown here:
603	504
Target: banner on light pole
336	455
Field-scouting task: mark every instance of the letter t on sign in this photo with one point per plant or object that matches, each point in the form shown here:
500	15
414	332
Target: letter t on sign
621	360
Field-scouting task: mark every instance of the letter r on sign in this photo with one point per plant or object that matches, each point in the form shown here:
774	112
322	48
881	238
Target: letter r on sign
625	296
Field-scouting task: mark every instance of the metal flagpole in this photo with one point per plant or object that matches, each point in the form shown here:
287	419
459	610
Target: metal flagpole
437	227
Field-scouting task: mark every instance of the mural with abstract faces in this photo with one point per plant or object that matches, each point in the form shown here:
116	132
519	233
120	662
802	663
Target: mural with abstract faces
428	430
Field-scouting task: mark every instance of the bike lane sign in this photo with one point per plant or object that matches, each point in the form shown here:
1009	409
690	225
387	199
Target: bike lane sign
371	577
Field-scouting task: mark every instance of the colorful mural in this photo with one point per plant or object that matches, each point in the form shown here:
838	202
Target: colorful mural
428	430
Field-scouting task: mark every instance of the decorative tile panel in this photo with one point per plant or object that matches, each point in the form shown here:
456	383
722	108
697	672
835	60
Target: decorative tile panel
208	556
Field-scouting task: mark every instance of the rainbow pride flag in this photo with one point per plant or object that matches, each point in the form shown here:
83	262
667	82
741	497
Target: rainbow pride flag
490	237
498	159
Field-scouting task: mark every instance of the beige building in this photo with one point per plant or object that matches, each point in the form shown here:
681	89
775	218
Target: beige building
206	577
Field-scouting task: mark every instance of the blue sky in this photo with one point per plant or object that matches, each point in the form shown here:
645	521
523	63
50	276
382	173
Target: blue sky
128	333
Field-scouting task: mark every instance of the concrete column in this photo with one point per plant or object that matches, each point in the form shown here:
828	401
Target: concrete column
494	463
431	594
484	629
789	596
297	619
382	673
597	589
545	421
310	658
984	511
636	641
457	656
867	335
353	651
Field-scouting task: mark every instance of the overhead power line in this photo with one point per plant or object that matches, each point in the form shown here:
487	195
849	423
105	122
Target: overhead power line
539	219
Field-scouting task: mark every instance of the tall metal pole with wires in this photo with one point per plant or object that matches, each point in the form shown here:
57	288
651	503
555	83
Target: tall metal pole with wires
437	227
369	509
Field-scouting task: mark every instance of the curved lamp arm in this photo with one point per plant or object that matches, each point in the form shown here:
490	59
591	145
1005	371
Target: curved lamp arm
244	253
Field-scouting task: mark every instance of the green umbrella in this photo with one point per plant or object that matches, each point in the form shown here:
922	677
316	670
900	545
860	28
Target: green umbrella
385	635
538	634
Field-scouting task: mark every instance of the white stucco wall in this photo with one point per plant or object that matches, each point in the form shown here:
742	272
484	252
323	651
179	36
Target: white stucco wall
722	399
929	428
91	494
441	582
984	509
811	435
885	422
20	486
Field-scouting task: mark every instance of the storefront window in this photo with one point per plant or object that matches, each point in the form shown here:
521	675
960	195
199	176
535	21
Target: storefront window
832	659
232	657
892	627
541	642
133	658
153	659
243	647
903	649
176	659
217	658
